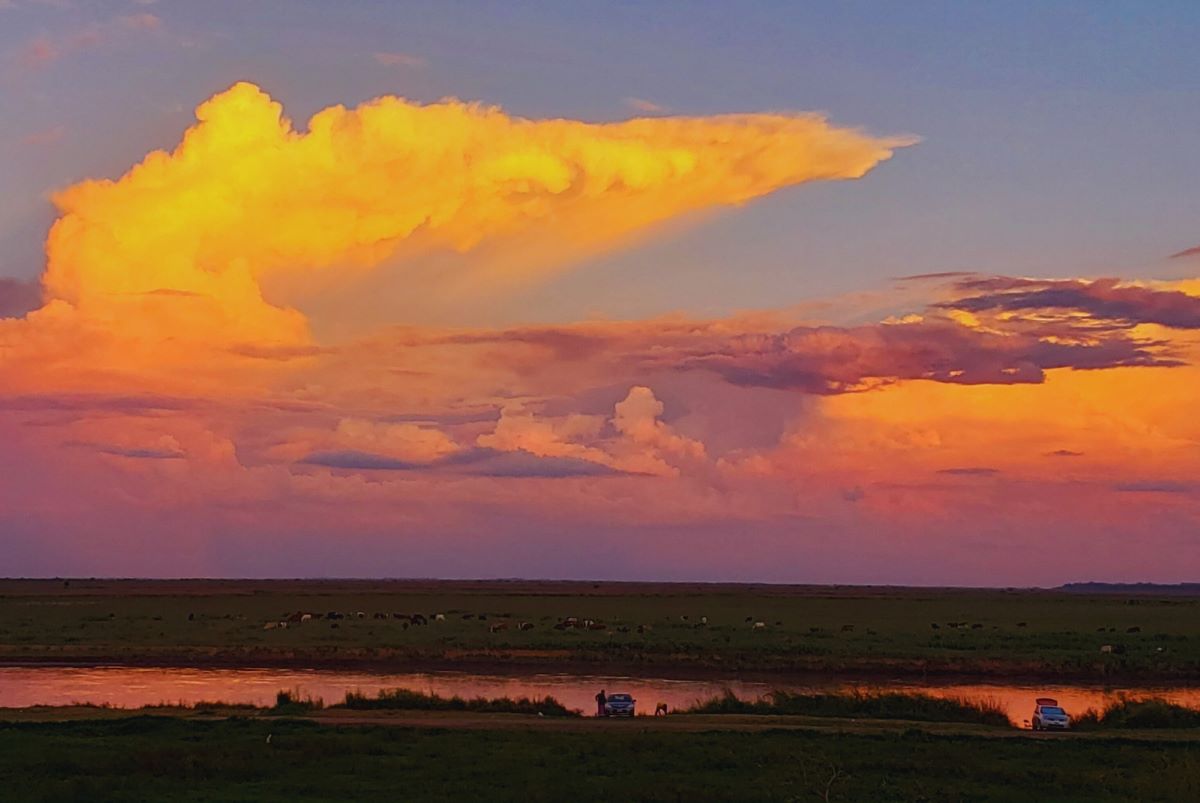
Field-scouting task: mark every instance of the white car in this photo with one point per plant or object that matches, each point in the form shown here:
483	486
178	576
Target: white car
1048	715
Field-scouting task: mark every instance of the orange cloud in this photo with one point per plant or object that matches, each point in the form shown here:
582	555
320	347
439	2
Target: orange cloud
172	259
245	196
175	375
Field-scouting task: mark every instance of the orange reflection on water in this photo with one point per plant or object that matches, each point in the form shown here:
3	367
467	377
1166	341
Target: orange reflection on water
127	687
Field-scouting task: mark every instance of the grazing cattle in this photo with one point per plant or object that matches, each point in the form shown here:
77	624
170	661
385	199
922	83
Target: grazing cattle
1022	624
525	626
360	614
977	627
270	625
593	625
660	710
560	626
749	619
191	616
622	629
496	628
683	618
847	628
935	626
814	630
779	623
1106	648
703	620
483	617
418	619
306	617
644	628
759	626
439	617
295	617
378	615
468	616
1134	629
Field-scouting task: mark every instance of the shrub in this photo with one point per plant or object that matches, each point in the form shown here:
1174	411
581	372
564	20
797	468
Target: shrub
406	699
1131	713
290	702
886	705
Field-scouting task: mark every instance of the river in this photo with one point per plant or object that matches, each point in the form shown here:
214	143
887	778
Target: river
131	687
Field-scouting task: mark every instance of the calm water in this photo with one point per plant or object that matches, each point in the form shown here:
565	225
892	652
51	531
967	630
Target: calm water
133	687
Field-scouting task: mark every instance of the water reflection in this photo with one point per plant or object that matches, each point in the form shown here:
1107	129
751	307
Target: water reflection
129	687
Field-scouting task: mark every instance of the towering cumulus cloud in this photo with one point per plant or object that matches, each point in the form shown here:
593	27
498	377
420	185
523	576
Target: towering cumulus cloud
181	368
185	239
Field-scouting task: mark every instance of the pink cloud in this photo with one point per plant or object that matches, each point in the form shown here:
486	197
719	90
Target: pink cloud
142	22
394	59
44	51
47	136
37	53
643	105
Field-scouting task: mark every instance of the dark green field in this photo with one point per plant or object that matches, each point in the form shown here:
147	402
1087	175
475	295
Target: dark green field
169	759
848	630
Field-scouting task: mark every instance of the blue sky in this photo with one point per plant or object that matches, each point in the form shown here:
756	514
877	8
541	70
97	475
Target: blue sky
1057	139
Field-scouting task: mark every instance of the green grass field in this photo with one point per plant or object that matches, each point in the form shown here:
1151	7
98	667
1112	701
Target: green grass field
995	633
171	759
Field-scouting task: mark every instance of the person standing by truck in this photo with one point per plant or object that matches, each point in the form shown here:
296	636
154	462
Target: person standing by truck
601	700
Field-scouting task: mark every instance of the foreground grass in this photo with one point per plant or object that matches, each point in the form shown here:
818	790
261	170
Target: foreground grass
893	631
163	759
915	707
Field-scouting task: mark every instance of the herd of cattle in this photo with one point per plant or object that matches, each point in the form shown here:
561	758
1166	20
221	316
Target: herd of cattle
500	622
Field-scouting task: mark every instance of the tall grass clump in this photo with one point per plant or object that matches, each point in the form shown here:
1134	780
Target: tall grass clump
200	706
290	702
1146	713
870	705
408	700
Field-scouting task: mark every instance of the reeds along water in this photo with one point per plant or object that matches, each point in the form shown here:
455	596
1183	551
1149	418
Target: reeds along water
876	705
406	699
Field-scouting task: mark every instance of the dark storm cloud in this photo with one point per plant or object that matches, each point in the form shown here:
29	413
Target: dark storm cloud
1105	299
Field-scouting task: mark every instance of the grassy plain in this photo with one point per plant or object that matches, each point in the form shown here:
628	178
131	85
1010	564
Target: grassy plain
454	757
835	629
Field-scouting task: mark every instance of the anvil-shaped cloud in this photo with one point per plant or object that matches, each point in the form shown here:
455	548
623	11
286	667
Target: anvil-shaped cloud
170	376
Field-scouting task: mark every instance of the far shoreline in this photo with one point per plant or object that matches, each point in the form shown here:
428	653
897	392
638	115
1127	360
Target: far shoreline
518	666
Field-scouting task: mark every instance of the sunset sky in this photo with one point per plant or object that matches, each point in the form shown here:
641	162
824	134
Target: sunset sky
854	293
